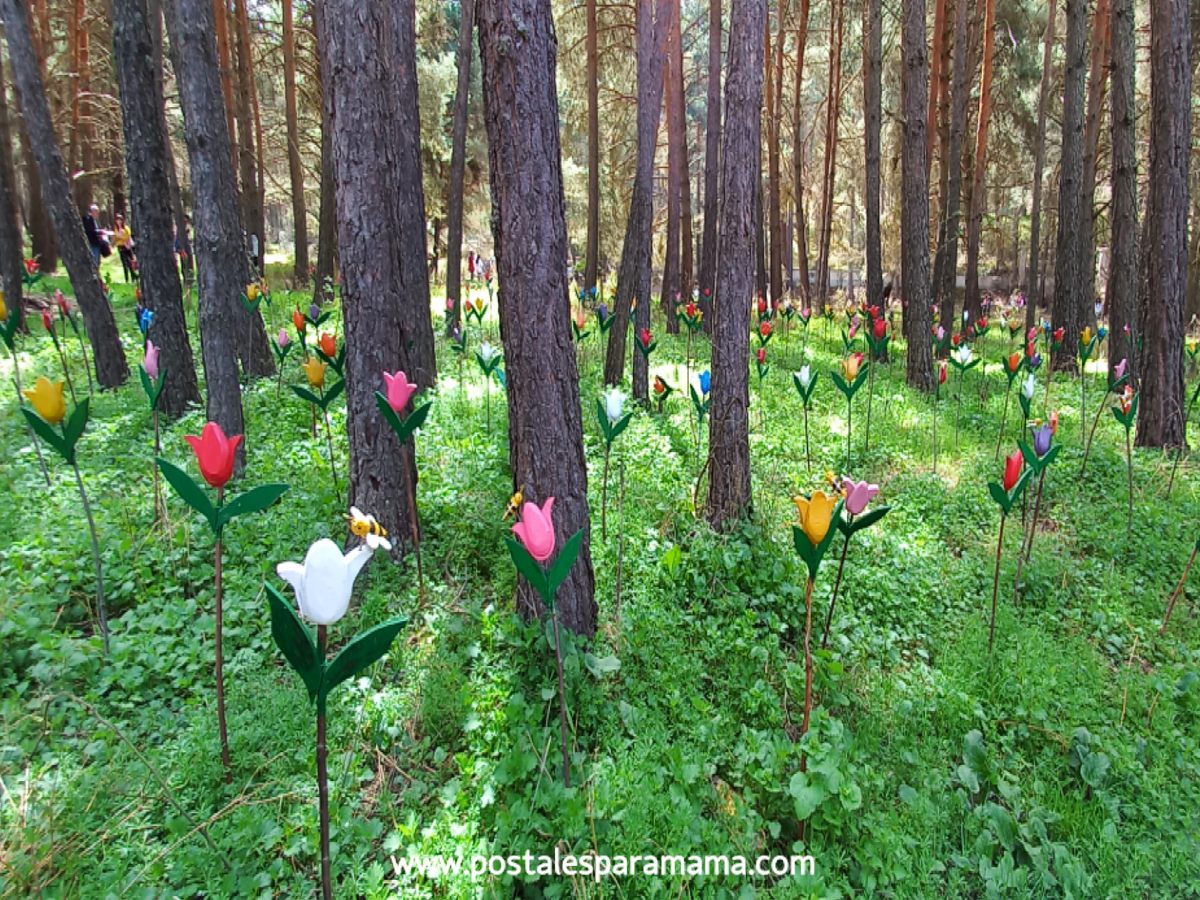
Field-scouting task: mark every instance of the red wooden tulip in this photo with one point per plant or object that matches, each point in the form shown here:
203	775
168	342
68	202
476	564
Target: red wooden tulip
298	319
327	344
880	329
1012	470
215	453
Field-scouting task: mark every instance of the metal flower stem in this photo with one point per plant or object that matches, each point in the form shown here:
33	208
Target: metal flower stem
1003	420
323	780
66	369
604	495
935	406
337	488
958	408
1179	452
1129	475
1087	448
1027	541
37	445
807	450
220	658
870	397
1175	594
808	666
562	702
837	583
849	427
160	508
87	366
414	519
996	582
1082	393
101	609
487	399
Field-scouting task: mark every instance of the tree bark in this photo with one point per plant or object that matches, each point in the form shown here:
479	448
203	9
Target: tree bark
675	162
798	184
1101	52
244	118
945	268
183	240
1122	271
43	243
729	498
326	218
1033	285
973	302
774	183
193	50
517	49
873	112
937	60
145	155
592	265
220	21
633	278
458	164
712	163
1068	280
10	228
833	103
914	215
300	271
108	356
1160	410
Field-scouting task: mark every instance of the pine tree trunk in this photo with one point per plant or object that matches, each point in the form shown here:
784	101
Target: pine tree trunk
633	278
42	240
326	220
295	167
458	164
774	120
1068	280
1033	284
218	242
1160	410
914	214
973	302
517	49
798	184
183	241
729	498
937	60
712	163
243	115
675	161
1122	270
10	228
833	101
1101	53
592	265
108	356
873	112
145	155
220	21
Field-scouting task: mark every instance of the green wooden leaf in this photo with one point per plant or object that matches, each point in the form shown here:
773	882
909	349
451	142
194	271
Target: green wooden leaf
417	417
602	418
254	500
998	494
1031	458
333	393
306	395
47	433
621	424
360	653
295	641
190	492
564	561
1050	455
840	383
76	423
389	414
529	569
866	520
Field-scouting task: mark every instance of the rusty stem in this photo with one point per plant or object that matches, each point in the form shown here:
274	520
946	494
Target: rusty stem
323	781
220	660
996	582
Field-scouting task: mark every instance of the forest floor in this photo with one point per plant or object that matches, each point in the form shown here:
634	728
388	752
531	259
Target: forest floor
1064	763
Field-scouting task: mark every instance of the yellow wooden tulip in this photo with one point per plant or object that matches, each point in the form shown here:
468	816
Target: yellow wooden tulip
816	514
251	292
3	307
47	400
315	370
1086	337
850	366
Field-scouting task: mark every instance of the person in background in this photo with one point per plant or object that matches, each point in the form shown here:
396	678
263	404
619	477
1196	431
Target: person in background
123	239
95	239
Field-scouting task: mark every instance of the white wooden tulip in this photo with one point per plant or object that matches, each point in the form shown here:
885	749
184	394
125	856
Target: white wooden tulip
323	584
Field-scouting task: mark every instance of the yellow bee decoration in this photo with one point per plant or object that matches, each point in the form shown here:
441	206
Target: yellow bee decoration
368	529
514	502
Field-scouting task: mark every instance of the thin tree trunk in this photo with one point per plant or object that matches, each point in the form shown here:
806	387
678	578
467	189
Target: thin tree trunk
458	164
729	443
675	162
945	264
873	112
712	162
973	302
10	227
244	117
220	21
914	217
145	154
1097	82
833	102
774	121
190	27
295	166
1033	282
1068	280
43	242
327	208
633	279
517	49
937	60
798	185
183	241
1160	411
592	265
109	357
1122	270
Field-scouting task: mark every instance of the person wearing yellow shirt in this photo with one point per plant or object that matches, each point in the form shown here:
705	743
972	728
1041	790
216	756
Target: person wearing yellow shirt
122	239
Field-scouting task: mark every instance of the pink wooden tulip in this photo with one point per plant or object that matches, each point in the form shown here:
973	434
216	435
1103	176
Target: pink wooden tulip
1119	370
536	530
858	495
399	390
282	338
150	364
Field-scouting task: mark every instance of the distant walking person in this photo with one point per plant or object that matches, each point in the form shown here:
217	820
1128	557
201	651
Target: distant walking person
95	238
123	239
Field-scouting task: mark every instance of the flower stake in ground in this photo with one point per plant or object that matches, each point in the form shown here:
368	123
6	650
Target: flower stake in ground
47	417
1038	458
603	318
323	585
1125	411
812	538
1187	417
253	295
1056	341
488	358
645	344
857	495
662	391
610	412
1175	594
315	371
700	403
48	324
532	548
692	316
64	313
963	361
152	383
579	326
805	381
848	381
1117	379
392	405
281	346
877	340
1087	344
1012	368
9	322
216	454
1005	494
